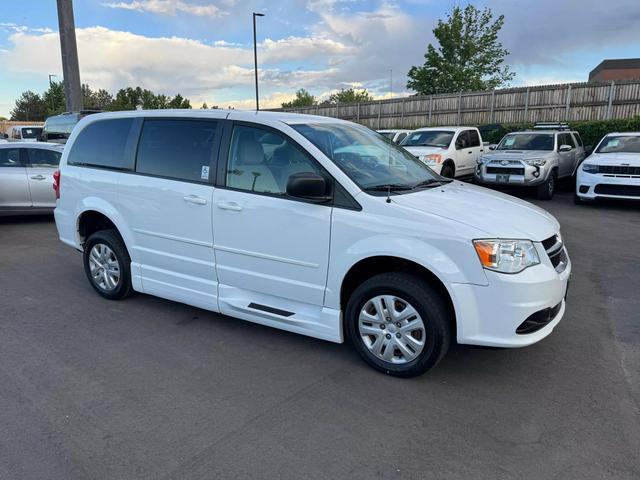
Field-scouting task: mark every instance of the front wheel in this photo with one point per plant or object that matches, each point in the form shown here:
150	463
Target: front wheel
107	265
398	324
546	190
447	171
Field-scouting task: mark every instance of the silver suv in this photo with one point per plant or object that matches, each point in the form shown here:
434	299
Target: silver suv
536	158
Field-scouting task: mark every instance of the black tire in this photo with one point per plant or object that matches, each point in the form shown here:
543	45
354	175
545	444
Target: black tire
447	171
428	303
112	239
545	190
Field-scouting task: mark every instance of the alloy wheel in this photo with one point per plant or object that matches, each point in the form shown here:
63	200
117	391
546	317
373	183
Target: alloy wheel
104	267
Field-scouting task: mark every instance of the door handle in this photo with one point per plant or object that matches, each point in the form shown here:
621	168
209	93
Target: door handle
470	152
195	200
233	206
38	177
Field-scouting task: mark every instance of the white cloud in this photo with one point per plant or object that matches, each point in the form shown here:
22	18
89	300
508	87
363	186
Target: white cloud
113	59
168	7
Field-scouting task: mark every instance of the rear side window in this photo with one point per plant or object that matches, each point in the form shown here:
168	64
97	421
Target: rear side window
10	157
177	149
578	139
39	157
103	144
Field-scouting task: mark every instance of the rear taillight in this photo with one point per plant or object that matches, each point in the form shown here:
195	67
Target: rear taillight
56	183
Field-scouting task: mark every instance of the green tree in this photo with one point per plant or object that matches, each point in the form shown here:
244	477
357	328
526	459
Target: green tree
469	56
29	107
179	102
54	99
350	96
302	99
102	100
204	106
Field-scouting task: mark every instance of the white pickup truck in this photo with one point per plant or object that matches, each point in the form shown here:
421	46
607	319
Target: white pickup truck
449	151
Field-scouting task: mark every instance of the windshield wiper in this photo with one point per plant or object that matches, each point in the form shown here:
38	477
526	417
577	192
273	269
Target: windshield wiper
392	187
431	182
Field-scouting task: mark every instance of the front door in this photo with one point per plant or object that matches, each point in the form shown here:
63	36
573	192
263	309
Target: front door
168	207
42	163
269	247
14	186
567	159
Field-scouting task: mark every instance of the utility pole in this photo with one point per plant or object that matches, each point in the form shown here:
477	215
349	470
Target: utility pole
255	56
69	49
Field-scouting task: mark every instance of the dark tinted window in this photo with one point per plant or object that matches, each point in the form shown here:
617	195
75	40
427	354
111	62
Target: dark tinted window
577	137
39	157
10	157
474	138
428	138
619	143
527	141
565	139
103	144
401	137
180	149
463	140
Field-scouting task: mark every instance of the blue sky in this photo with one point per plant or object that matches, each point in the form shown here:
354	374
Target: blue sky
203	49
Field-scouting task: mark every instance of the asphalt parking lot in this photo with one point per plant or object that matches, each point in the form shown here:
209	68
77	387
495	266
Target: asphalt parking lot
151	389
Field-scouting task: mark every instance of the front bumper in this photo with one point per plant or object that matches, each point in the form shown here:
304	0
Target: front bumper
529	175
590	186
490	315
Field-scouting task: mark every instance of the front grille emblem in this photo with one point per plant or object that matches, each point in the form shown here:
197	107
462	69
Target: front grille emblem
504	162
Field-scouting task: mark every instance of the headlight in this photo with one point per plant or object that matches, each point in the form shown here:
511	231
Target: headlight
506	256
480	160
535	162
590	168
431	159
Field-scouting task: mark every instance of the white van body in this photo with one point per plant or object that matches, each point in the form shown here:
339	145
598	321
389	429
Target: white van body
218	243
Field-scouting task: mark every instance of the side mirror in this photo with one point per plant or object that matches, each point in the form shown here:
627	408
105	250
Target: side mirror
308	186
565	148
493	146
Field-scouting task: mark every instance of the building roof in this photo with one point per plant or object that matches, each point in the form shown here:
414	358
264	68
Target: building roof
616	64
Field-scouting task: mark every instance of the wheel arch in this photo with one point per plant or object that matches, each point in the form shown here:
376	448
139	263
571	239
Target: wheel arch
370	266
96	214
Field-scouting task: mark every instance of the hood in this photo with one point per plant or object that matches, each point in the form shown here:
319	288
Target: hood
626	159
420	151
495	214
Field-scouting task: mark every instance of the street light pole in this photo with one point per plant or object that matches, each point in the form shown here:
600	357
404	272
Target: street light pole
51	75
69	49
255	55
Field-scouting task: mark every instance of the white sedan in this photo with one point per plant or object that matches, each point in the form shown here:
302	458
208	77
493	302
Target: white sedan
612	171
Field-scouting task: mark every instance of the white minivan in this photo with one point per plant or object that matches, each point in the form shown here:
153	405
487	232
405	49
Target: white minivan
309	224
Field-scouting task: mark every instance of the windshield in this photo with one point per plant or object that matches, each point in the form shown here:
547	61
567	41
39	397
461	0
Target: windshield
31	132
389	135
527	141
620	144
367	157
429	138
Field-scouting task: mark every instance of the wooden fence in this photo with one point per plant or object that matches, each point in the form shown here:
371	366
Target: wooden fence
564	102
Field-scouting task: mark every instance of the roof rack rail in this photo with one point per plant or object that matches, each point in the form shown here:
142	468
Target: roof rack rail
551	126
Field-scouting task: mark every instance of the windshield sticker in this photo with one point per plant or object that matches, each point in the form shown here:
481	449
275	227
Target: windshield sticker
204	174
614	142
509	141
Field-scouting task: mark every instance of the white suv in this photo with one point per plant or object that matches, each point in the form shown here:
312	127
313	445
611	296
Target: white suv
449	151
309	224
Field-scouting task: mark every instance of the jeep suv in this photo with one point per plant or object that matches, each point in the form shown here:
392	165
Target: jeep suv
535	158
308	224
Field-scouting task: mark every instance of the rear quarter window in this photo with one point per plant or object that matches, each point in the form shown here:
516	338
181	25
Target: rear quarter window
103	144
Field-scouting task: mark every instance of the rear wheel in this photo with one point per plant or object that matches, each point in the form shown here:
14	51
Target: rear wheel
399	324
107	265
546	190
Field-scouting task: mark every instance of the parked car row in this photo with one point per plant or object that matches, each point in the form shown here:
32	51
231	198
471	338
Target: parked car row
536	158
